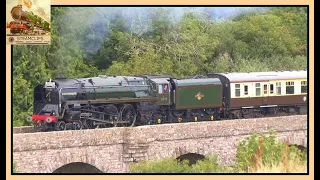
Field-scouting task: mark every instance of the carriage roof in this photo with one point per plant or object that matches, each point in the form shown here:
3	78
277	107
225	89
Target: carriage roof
263	76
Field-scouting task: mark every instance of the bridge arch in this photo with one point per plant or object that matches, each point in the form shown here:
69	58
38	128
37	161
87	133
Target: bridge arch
192	157
77	167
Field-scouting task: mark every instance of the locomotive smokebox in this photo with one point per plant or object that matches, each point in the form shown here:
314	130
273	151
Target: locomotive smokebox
18	14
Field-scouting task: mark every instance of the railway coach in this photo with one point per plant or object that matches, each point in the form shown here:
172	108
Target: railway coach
254	94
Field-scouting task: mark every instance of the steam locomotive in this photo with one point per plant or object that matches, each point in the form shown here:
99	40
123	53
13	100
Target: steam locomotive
110	101
26	22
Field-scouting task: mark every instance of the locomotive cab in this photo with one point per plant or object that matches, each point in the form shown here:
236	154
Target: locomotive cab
162	87
163	90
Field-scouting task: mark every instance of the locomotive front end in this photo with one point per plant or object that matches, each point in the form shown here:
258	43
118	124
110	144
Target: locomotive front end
46	106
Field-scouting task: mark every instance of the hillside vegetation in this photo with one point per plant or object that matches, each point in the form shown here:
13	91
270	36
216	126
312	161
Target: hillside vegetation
89	41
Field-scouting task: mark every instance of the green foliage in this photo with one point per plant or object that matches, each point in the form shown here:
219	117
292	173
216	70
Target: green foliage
266	35
171	165
167	165
14	167
297	155
273	151
210	165
87	42
295	18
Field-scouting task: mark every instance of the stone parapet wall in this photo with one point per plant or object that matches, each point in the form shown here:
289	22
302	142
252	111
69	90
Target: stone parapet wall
147	134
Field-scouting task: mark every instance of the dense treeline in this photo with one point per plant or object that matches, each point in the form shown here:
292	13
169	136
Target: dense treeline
92	41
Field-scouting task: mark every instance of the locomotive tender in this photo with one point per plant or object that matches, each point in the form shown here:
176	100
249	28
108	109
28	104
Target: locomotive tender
109	101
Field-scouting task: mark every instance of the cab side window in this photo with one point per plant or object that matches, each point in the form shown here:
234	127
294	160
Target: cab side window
163	88
160	89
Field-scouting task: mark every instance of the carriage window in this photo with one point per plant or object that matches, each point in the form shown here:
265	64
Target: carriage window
278	86
304	87
290	87
271	88
258	89
265	89
237	87
245	89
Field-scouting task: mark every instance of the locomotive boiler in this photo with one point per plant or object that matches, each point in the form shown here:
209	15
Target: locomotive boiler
88	102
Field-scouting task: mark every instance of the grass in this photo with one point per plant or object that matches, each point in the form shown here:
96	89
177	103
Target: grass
290	167
172	166
294	165
14	167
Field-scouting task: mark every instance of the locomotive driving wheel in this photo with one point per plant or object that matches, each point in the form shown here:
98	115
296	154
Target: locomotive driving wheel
127	117
77	125
96	115
111	114
60	126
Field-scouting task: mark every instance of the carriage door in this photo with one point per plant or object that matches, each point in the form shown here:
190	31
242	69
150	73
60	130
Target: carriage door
265	92
272	91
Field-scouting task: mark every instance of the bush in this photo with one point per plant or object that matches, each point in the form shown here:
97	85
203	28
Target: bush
171	165
210	165
167	165
272	152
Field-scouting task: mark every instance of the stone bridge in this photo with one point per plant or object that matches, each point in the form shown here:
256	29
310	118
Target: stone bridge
111	150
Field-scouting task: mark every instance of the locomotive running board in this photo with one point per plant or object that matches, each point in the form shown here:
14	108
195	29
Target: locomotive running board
114	100
108	122
88	110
